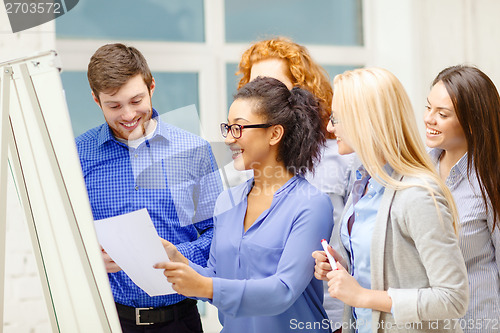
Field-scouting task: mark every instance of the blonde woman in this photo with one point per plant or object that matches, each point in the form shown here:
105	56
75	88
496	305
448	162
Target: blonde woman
399	266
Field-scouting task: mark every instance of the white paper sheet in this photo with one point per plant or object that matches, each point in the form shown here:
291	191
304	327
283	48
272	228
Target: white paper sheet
132	242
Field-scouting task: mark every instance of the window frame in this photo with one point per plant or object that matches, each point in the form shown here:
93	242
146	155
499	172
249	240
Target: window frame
207	59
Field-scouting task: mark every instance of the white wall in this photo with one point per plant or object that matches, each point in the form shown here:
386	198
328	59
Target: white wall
416	39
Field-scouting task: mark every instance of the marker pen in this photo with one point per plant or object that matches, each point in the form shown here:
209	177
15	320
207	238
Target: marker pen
333	262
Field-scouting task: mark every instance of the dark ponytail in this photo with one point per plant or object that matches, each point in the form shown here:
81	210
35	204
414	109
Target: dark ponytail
298	111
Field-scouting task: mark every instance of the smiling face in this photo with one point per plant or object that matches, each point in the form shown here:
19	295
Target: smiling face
342	140
253	149
443	130
272	67
128	110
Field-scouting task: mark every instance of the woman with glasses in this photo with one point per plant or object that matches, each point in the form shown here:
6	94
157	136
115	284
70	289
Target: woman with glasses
260	271
292	64
462	121
399	266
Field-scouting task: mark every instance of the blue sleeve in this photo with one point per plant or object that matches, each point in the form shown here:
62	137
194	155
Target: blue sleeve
208	186
205	193
197	250
294	271
208	271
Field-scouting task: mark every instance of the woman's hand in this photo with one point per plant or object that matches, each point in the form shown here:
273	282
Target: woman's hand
172	252
343	286
185	280
323	266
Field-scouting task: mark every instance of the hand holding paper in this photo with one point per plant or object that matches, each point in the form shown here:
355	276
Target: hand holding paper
133	244
110	264
186	281
172	252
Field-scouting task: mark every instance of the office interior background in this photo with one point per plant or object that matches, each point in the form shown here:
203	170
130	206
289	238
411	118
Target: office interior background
193	48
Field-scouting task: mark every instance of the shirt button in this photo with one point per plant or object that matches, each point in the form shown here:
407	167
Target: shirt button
136	187
135	155
357	214
370	196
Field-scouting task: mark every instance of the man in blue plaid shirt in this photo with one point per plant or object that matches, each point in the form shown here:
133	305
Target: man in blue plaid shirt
136	161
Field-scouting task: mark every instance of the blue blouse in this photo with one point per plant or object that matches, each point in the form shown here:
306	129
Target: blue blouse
358	242
263	278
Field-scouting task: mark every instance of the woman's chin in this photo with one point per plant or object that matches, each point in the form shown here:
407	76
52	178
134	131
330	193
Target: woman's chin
344	149
239	164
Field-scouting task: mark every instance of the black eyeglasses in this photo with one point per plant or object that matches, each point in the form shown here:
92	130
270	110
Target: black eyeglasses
236	129
334	120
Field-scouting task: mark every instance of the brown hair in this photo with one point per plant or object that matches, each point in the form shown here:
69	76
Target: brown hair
112	65
477	105
303	71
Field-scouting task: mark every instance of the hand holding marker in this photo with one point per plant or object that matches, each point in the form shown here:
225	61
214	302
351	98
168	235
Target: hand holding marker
333	262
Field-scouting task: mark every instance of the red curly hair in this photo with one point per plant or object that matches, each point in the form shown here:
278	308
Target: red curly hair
303	71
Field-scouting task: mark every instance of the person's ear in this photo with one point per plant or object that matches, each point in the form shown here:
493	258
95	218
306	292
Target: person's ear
152	87
277	132
96	100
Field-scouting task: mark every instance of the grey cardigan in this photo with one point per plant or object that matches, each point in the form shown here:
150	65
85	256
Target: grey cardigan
416	258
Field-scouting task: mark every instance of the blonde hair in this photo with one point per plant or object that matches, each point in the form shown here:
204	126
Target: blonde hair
378	118
303	71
